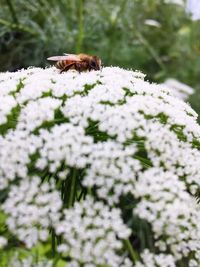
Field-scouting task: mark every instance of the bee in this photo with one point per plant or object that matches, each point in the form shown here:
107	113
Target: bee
80	62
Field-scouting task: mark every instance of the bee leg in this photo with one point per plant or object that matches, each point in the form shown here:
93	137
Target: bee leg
67	68
78	68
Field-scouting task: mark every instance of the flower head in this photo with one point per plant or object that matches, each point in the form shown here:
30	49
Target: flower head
95	156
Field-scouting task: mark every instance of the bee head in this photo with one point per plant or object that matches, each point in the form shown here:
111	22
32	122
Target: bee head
95	63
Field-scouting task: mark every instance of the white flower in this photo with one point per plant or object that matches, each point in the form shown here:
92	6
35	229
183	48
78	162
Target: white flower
126	140
3	242
152	22
113	169
193	7
37	112
7	104
171	211
30	261
176	2
32	209
15	150
66	143
92	233
155	260
179	89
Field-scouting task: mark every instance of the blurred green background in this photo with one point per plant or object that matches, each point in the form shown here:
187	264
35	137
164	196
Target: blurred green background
154	36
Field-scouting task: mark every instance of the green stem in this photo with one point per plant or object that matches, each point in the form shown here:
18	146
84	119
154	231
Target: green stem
19	27
65	191
145	162
12	11
53	242
181	264
72	188
114	36
120	12
80	28
90	191
132	252
151	50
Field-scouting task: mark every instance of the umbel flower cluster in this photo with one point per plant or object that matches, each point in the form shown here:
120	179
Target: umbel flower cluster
100	169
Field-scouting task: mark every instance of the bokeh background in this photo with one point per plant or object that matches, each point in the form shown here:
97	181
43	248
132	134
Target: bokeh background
158	37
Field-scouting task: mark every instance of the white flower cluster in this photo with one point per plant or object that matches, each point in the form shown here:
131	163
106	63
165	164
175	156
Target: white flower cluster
155	260
92	234
72	147
28	262
176	2
3	242
7	103
193	7
15	149
180	90
112	169
32	208
172	212
128	138
44	110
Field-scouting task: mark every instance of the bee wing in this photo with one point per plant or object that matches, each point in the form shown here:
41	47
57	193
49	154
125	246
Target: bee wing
57	58
66	57
72	57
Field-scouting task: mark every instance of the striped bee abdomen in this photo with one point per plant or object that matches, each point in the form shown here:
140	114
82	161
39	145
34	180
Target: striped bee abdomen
61	64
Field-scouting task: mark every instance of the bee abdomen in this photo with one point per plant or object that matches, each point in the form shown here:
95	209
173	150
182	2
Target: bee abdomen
60	64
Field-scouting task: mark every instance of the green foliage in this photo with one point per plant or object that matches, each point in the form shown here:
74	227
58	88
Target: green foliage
11	120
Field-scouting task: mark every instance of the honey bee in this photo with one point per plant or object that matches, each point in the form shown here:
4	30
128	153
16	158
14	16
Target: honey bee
80	62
